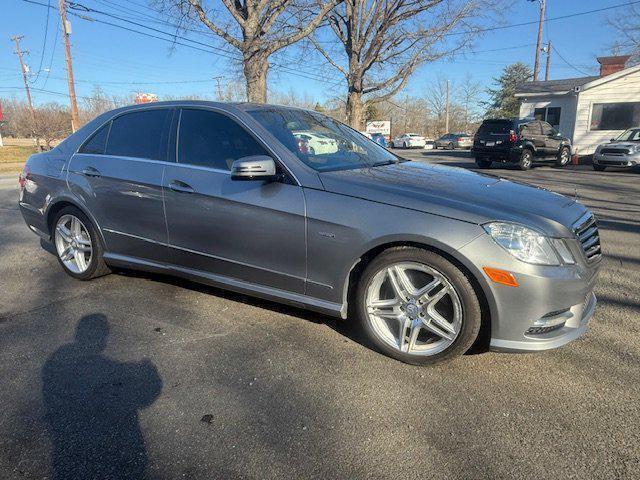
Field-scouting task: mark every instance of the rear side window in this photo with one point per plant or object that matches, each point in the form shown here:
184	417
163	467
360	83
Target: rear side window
546	128
210	139
495	127
139	134
532	128
97	142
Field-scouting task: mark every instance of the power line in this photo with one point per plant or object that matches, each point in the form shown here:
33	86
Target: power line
567	62
44	44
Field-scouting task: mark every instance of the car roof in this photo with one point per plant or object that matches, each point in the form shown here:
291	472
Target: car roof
245	106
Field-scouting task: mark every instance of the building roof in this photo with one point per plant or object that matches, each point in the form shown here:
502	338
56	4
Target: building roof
553	86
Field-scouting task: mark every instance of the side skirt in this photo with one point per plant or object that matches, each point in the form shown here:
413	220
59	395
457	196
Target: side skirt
227	283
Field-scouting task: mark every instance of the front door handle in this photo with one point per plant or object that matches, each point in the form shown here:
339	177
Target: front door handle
90	172
178	186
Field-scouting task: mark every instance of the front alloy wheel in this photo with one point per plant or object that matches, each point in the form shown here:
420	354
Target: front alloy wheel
564	157
417	307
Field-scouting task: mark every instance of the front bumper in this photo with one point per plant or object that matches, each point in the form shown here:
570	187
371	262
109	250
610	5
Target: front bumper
557	296
620	161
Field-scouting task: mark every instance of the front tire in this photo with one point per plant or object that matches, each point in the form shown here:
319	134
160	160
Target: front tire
417	307
564	157
526	159
78	246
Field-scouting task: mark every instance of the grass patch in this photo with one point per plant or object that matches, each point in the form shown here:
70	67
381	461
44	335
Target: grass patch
12	158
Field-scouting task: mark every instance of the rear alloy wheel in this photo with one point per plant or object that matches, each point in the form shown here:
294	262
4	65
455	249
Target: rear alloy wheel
564	157
404	145
417	307
483	163
78	247
450	146
526	159
598	168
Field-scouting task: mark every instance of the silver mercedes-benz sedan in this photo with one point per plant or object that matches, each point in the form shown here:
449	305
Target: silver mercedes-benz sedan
426	260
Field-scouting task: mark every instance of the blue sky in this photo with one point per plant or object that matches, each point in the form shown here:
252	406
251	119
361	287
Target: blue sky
111	57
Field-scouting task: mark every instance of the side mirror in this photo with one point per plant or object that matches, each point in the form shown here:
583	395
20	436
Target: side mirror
255	167
612	140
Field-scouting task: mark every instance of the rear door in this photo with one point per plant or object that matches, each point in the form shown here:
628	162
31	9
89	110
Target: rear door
532	132
252	231
118	174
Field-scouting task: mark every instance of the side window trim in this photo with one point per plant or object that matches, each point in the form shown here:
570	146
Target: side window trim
244	127
91	137
164	137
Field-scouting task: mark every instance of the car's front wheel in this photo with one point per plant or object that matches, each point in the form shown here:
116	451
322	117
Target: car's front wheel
526	159
564	157
416	306
78	246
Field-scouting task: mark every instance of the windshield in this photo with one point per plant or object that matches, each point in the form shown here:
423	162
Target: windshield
321	142
631	135
495	127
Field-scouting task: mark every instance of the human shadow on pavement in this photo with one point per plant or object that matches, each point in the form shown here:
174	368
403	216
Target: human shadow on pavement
92	404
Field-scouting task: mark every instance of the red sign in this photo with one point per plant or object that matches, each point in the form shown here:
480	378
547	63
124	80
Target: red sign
1	115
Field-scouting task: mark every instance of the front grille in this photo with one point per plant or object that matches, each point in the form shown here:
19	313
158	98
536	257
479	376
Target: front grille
614	151
586	231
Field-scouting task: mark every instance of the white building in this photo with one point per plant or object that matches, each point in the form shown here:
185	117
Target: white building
589	110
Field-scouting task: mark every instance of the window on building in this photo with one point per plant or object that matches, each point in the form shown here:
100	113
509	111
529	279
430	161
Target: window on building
615	116
550	115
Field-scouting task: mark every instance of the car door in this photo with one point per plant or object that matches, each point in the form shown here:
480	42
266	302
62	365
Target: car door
551	139
532	132
118	173
253	231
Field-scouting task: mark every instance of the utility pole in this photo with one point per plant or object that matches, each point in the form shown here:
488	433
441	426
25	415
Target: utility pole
446	111
546	73
75	121
23	68
536	65
217	79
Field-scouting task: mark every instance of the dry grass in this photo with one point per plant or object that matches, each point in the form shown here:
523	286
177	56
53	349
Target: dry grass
12	158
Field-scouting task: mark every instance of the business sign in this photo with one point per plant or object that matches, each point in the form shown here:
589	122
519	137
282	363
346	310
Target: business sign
379	126
146	98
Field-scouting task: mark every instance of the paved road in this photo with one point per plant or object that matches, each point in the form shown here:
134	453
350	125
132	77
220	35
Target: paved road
187	381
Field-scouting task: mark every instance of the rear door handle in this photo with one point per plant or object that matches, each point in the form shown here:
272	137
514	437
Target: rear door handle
178	186
90	172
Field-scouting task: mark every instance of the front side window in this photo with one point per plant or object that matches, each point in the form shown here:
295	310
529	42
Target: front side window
331	144
97	143
547	129
211	139
632	135
139	134
615	116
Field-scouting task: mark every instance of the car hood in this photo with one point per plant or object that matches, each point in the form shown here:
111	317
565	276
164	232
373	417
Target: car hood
619	145
458	193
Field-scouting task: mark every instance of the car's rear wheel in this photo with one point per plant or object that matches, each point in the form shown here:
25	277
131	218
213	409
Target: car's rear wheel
404	145
450	146
416	306
526	159
483	162
78	246
564	157
598	168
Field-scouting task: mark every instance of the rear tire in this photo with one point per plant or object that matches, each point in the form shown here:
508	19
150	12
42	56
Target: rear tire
78	245
526	159
564	157
453	294
598	168
450	146
483	163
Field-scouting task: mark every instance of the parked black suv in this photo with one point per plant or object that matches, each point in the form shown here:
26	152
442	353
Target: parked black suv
519	141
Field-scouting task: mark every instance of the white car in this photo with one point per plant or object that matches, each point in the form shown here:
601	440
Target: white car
409	140
314	143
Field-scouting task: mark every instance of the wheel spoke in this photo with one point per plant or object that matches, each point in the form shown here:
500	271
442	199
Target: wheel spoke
424	293
76	229
430	325
66	254
405	324
64	233
416	326
398	284
79	259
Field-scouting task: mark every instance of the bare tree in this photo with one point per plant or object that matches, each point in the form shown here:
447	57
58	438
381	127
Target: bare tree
385	41
255	28
628	29
468	95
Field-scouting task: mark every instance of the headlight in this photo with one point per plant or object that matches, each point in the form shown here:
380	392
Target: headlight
528	245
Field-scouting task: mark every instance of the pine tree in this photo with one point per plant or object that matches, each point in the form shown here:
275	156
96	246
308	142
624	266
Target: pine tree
503	103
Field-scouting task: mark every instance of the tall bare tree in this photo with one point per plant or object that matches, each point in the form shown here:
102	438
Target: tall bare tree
384	41
627	28
255	28
468	95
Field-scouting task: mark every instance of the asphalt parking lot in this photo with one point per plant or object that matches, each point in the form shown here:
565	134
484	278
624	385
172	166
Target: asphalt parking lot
142	376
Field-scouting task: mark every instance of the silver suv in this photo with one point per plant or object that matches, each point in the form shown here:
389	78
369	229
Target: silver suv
426	260
621	152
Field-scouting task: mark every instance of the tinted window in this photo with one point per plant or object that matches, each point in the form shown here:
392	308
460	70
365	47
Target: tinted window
532	128
546	128
97	142
211	139
139	134
615	116
495	127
